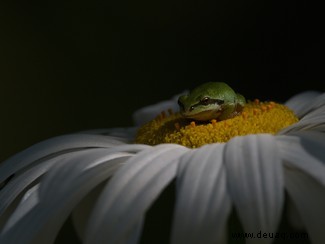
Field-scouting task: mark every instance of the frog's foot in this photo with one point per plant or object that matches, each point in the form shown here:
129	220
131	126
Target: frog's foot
231	112
238	110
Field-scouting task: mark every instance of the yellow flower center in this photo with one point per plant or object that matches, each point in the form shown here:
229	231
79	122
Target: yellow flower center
256	117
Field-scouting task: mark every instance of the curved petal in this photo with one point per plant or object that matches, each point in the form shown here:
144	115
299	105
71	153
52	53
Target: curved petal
304	151
53	147
293	215
301	101
202	204
148	113
18	184
27	203
81	213
131	191
255	181
313	121
317	103
304	161
309	198
124	134
76	176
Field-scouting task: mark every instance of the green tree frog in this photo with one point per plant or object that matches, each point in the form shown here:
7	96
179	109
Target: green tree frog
212	100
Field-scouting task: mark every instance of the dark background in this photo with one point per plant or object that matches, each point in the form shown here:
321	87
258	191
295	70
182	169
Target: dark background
79	65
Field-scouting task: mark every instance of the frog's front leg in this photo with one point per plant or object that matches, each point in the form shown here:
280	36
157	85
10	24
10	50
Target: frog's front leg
233	109
241	101
228	111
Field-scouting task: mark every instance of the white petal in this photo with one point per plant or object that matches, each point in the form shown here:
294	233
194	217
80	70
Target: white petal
21	182
130	193
305	151
76	177
304	160
18	184
148	113
315	104
309	198
255	182
317	125
53	147
312	115
314	121
82	211
293	215
300	102
202	205
120	133
28	202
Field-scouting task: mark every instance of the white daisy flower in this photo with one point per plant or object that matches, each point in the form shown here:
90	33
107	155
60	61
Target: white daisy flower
260	169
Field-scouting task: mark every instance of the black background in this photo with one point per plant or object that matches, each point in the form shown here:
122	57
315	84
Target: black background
76	65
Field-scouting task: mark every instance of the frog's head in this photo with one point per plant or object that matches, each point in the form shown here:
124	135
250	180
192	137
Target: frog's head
206	101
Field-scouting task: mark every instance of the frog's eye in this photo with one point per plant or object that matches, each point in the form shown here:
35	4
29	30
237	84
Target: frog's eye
180	104
206	101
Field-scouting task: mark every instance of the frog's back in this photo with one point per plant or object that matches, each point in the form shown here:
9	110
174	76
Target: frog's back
213	89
